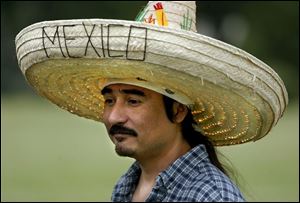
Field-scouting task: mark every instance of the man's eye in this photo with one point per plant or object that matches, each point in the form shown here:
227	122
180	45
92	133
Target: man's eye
134	102
109	101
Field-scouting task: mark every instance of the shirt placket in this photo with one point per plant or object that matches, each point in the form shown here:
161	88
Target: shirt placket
158	193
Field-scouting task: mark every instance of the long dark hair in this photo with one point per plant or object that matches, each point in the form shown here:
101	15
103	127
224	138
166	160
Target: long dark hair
192	136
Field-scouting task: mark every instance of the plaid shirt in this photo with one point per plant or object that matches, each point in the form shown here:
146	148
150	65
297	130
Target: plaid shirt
191	178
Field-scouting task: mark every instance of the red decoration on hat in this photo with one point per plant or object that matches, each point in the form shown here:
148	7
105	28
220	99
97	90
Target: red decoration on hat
158	6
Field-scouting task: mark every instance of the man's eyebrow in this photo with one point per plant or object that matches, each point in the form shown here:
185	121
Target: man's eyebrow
107	90
133	91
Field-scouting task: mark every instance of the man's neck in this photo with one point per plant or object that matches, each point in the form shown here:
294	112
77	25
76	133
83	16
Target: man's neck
152	166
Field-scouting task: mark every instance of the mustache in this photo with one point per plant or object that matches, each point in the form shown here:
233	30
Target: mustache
120	129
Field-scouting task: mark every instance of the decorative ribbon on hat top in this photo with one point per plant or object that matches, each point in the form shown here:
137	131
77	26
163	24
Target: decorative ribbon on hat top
234	97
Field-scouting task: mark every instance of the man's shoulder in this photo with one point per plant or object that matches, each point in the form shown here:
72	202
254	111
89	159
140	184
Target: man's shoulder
210	184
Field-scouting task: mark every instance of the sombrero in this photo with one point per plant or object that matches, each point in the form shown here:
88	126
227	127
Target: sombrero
234	97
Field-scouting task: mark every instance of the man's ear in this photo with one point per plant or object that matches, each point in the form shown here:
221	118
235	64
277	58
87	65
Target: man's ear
180	111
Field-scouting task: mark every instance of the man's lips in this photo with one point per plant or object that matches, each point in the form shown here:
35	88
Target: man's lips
121	137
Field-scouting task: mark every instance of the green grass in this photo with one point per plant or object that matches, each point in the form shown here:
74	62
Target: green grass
48	154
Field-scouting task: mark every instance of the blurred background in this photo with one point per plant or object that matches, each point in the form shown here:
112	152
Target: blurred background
48	154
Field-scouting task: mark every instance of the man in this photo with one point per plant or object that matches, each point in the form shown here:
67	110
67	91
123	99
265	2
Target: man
141	127
168	95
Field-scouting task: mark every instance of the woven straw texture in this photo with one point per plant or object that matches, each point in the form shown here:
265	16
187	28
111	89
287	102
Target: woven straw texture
235	97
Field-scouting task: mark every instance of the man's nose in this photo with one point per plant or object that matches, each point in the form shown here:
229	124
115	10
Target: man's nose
117	114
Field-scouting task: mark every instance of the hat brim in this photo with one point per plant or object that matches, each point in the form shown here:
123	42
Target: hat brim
236	97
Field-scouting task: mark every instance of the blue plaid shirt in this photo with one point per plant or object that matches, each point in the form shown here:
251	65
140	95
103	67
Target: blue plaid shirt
191	178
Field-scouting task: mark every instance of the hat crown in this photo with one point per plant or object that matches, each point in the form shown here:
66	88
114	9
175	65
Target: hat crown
172	14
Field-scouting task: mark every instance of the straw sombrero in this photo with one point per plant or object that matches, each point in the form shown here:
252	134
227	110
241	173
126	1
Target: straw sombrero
234	97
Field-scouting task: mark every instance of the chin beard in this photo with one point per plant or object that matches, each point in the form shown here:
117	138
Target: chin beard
124	151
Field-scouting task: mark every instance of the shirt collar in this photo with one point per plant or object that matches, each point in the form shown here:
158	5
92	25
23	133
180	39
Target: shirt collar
130	179
183	167
176	172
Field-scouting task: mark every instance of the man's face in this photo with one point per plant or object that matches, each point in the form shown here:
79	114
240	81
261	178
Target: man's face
136	121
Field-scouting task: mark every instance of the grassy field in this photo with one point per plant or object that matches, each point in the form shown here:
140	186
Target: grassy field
48	154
